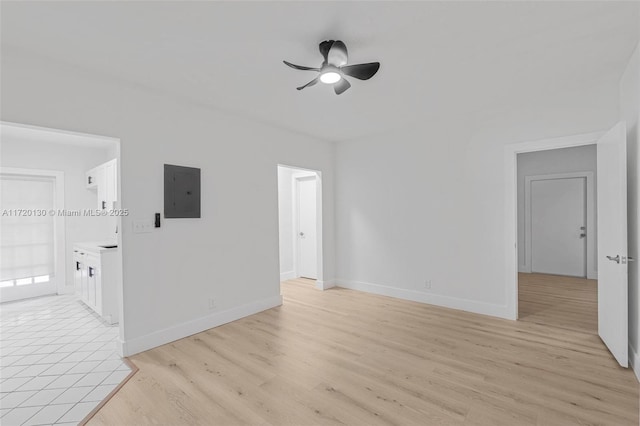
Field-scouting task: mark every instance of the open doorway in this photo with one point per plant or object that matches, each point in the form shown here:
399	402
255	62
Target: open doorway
61	275
611	233
300	225
557	239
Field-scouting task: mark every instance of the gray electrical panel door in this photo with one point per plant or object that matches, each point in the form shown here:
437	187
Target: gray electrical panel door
181	192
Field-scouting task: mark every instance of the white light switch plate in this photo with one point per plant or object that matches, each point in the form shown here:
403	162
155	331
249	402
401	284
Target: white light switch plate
141	226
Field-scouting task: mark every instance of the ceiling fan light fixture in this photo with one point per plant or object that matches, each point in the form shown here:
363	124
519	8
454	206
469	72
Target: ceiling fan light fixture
334	68
330	77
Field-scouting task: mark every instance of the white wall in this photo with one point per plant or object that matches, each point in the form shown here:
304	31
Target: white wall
286	220
630	112
427	202
74	161
230	255
566	160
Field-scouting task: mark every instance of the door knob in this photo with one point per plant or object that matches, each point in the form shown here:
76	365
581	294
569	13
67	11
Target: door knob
302	234
583	235
614	259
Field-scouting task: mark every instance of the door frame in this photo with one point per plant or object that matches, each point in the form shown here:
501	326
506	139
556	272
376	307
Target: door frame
511	152
59	233
590	255
320	283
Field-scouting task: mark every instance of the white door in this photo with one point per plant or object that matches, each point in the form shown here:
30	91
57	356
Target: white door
306	213
558	226
612	242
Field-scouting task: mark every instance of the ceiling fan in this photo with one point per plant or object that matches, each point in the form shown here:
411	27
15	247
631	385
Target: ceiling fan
334	67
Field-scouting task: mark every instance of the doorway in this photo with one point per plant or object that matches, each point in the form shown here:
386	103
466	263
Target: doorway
300	224
61	273
610	251
556	209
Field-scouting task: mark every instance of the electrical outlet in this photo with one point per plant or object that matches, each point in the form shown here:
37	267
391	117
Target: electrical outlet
427	284
212	304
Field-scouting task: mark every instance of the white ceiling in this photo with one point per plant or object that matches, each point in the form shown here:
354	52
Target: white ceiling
437	58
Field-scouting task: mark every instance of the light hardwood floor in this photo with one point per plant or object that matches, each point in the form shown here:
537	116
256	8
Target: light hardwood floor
343	357
557	301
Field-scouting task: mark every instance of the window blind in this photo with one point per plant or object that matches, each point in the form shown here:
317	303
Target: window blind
26	240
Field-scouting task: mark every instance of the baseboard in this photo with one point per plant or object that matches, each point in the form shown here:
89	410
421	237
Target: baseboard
284	276
500	311
171	334
524	269
634	361
324	285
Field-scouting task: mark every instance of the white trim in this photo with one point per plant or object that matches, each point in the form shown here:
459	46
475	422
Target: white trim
634	361
511	204
591	259
325	285
289	275
188	328
60	245
500	311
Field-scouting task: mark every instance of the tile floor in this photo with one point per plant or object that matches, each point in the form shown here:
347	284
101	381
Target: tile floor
58	360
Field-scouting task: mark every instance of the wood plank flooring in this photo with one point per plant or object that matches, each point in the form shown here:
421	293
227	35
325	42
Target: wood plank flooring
342	357
558	301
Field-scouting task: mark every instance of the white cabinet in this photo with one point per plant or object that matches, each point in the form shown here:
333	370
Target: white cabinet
103	179
96	279
111	180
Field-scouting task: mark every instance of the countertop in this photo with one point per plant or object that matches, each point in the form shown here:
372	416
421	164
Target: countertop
95	246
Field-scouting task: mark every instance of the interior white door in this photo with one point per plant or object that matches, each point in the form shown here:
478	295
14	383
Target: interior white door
612	242
558	226
306	213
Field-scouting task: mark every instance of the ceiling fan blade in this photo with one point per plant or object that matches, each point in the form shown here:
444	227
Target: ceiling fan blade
325	46
341	86
300	67
361	71
309	84
338	54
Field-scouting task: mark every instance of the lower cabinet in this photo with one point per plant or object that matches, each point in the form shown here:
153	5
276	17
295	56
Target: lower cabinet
95	281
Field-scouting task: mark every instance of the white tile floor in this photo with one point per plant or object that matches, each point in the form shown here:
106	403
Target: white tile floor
58	360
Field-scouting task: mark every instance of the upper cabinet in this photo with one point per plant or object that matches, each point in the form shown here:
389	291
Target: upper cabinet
91	178
103	179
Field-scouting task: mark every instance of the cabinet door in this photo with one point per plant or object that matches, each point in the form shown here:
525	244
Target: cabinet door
90	180
91	286
111	179
101	178
83	282
77	275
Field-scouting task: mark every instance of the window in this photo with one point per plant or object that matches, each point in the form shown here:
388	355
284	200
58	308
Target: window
26	229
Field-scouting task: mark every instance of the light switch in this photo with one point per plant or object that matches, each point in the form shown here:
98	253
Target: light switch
141	226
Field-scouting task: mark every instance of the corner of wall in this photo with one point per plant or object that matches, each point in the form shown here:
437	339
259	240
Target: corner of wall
634	361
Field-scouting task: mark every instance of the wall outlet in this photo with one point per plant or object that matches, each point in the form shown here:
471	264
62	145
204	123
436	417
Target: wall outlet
212	304
427	284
